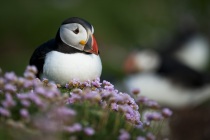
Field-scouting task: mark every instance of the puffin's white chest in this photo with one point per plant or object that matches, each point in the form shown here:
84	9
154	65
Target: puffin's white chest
61	68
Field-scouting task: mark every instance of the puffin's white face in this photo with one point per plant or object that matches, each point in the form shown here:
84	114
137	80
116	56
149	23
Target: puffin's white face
147	60
143	61
74	35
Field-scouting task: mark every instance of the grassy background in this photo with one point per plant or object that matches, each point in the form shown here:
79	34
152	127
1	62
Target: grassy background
119	26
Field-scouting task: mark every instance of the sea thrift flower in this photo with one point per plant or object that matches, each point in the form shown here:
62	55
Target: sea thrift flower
107	85
74	128
89	131
52	85
24	97
166	112
20	81
24	113
36	99
40	90
140	125
104	105
142	99
150	136
140	138
74	98
106	94
110	88
67	85
10	76
32	69
4	112
28	83
152	104
29	75
147	102
75	82
47	125
10	88
8	102
93	95
64	111
25	103
124	135
77	127
86	84
149	116
155	115
118	98
96	83
114	106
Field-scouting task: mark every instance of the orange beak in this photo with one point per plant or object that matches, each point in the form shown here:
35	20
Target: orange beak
91	45
94	46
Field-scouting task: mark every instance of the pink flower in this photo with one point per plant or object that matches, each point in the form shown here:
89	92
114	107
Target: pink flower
4	112
24	113
124	135
166	112
89	131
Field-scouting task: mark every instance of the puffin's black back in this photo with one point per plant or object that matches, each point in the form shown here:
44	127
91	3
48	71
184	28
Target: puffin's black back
38	56
182	74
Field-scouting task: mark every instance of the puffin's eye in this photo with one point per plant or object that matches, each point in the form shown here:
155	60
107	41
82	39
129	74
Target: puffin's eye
76	31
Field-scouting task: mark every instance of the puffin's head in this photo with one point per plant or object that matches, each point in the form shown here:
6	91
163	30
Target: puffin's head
143	61
78	33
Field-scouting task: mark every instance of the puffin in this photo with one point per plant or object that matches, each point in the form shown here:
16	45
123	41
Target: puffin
72	54
167	80
189	46
174	74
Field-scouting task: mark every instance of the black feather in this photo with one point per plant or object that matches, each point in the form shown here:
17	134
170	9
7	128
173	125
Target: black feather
182	74
38	56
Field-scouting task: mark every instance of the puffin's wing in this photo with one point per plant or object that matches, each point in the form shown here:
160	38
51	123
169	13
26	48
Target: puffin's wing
182	74
38	56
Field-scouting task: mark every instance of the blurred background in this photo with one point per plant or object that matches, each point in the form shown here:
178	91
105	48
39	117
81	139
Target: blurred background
120	27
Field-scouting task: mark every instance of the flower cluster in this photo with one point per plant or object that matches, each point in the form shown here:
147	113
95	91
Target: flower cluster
27	102
79	109
106	96
151	110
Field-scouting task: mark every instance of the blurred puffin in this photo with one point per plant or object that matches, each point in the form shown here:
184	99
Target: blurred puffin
73	54
188	46
173	75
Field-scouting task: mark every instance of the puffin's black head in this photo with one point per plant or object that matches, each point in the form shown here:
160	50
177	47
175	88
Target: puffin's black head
78	33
